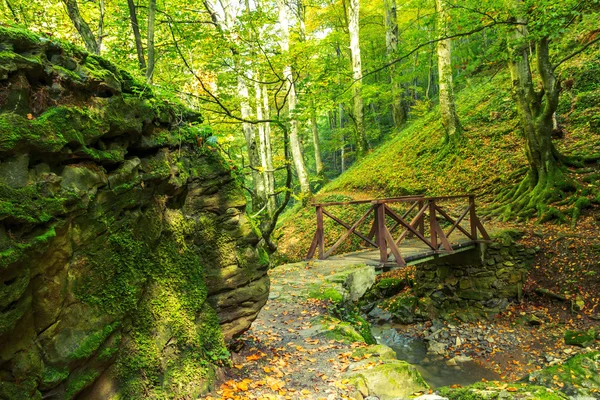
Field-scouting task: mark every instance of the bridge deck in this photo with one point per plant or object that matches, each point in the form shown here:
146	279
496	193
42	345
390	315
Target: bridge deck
413	251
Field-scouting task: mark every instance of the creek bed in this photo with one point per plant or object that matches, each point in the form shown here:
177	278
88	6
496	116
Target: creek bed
432	367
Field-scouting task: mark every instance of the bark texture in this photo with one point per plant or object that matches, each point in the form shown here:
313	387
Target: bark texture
151	21
89	39
546	178
448	113
391	41
136	35
359	117
315	137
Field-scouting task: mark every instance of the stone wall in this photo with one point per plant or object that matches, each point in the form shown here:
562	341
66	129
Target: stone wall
126	258
477	284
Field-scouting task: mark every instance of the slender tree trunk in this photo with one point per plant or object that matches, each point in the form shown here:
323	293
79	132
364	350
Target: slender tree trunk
101	25
82	27
270	181
252	147
292	103
343	146
136	35
450	119
315	137
264	150
150	46
391	40
359	118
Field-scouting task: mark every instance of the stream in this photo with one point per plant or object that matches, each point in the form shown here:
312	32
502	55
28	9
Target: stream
432	367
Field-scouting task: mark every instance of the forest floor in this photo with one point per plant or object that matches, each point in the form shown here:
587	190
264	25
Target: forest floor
276	359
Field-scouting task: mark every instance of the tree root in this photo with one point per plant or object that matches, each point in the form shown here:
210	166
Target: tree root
530	199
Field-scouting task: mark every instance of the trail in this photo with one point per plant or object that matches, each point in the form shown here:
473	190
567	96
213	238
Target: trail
278	358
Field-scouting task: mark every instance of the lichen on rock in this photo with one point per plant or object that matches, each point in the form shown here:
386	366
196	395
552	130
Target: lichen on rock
126	259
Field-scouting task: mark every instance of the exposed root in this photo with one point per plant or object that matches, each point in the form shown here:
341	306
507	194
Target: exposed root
530	199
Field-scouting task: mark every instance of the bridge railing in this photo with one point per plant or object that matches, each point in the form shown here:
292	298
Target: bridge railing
429	220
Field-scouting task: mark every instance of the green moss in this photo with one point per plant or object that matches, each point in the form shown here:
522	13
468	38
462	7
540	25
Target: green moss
53	376
379	350
343	332
20	39
110	348
25	390
78	381
497	390
19	250
328	294
93	342
172	313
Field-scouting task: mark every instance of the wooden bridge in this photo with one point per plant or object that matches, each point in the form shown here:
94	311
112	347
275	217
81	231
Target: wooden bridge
403	230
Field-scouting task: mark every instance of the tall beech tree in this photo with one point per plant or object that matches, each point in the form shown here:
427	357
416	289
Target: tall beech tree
353	12
450	120
92	44
391	44
295	144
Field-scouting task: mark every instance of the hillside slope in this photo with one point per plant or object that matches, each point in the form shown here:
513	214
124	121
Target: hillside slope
491	157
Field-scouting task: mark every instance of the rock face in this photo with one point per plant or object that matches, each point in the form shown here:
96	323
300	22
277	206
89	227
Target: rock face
126	260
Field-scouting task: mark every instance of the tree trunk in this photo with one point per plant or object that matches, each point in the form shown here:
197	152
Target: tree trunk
267	173
546	177
343	146
270	182
136	35
102	9
391	41
359	118
295	144
315	137
450	119
258	183
150	46
82	27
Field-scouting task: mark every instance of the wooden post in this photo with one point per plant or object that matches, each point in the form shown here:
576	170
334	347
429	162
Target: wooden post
380	235
421	225
432	224
320	233
473	217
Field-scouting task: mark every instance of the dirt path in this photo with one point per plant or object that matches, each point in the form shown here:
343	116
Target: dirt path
278	359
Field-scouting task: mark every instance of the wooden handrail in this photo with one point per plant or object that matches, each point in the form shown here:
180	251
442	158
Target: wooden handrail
380	236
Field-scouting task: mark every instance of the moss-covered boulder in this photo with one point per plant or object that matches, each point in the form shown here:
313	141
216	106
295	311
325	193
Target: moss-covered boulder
580	338
385	379
331	328
126	258
501	390
578	376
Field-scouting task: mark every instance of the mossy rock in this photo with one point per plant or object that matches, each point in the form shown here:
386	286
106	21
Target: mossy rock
388	379
326	293
380	351
402	308
579	338
501	390
334	329
578	376
106	261
383	289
